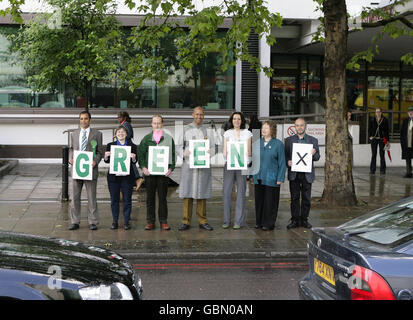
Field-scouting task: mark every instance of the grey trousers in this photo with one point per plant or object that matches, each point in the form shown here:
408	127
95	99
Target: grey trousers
230	176
93	216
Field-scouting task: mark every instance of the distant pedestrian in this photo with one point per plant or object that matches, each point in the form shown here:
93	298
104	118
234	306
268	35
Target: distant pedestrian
406	141
126	121
378	131
267	181
300	182
121	183
156	184
236	132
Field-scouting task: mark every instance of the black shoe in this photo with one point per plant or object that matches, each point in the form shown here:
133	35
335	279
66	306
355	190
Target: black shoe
306	224
267	229
114	226
407	175
293	224
372	172
206	226
257	226
74	226
127	226
93	227
183	227
382	172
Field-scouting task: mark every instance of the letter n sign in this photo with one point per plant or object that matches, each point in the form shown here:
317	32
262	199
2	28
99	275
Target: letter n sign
120	160
237	155
199	156
82	165
158	160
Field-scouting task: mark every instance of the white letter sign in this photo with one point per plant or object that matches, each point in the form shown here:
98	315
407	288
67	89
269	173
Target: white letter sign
302	158
120	160
158	160
199	156
82	165
237	155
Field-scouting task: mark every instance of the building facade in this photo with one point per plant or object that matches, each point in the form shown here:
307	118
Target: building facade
40	121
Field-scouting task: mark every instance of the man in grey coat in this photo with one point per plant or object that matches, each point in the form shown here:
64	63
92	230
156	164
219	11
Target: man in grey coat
195	183
85	139
300	182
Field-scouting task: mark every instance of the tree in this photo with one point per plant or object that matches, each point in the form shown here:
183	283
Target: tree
338	183
77	44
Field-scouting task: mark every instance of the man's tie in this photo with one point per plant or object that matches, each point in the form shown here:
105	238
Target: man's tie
84	141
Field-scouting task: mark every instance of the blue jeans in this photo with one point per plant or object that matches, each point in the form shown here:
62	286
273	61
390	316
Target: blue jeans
115	187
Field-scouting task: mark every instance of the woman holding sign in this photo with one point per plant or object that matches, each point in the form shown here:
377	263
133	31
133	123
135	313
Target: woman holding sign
269	178
237	159
121	180
157	161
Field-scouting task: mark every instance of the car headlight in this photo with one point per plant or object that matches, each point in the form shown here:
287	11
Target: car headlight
116	291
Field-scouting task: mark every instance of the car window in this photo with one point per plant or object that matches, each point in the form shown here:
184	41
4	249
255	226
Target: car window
391	225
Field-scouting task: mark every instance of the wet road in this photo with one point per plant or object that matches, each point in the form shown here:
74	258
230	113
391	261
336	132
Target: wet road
221	280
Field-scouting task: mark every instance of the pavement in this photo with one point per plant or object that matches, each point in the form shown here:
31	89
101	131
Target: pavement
30	202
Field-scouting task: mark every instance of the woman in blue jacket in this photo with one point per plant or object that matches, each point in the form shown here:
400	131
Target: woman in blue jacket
267	181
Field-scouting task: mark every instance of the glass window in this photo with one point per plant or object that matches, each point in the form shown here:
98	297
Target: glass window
384	66
283	95
204	84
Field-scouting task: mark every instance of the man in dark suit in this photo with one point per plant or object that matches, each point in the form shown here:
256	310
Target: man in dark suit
406	141
300	182
85	139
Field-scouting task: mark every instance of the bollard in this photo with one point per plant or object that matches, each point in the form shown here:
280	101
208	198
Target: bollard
65	173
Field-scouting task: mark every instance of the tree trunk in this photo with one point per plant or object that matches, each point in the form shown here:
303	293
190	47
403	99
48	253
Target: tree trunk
338	184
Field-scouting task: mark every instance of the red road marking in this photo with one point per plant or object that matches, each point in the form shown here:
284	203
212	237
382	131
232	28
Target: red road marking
223	265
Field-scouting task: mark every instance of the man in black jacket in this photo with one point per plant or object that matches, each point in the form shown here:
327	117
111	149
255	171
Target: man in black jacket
378	130
406	141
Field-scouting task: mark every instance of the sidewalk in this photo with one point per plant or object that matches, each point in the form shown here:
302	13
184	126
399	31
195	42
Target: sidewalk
30	202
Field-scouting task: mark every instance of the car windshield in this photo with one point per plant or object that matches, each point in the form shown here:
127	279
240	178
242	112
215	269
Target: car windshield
391	225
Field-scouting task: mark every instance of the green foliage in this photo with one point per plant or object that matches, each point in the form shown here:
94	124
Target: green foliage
81	50
200	38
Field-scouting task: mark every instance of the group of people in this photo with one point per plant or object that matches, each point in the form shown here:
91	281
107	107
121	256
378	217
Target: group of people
274	159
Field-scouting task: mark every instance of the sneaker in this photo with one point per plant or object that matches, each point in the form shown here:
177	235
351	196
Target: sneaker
225	226
114	226
236	227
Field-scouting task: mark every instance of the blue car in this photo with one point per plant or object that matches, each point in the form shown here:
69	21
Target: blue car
367	258
40	268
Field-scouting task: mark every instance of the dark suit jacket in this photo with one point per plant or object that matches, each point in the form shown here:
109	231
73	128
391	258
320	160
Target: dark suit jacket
310	176
93	135
131	176
406	153
382	130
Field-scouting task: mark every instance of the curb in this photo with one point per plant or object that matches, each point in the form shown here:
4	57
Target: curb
8	167
213	255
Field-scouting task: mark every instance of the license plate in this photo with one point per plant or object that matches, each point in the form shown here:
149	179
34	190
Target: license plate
324	271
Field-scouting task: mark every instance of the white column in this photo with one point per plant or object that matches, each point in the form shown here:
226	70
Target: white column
263	80
238	82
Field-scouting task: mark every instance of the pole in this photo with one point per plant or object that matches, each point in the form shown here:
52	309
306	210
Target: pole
65	173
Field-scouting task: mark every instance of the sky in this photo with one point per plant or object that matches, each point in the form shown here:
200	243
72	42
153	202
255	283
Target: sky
303	9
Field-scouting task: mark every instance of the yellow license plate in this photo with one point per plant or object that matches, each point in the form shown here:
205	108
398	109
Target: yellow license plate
324	271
